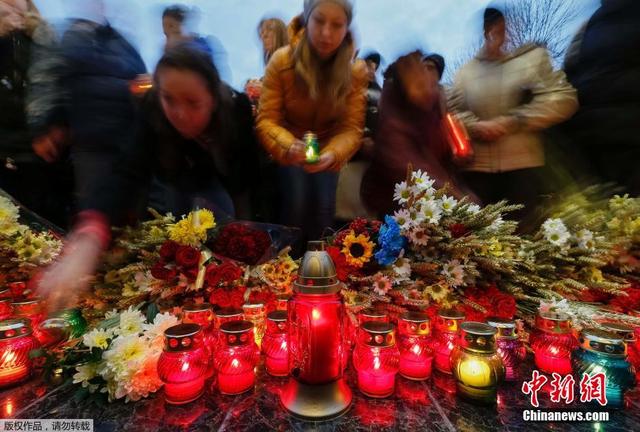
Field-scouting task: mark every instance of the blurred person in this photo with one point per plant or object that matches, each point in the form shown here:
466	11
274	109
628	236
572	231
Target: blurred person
273	36
349	203
505	100
196	137
603	64
178	23
94	101
37	185
409	131
313	85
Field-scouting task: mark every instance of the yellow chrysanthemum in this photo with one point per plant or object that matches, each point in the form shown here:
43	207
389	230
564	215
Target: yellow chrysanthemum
205	218
357	249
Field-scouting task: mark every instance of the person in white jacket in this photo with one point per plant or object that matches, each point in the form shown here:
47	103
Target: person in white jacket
505	100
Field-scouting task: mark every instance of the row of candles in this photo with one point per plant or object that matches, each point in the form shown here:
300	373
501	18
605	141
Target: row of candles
228	343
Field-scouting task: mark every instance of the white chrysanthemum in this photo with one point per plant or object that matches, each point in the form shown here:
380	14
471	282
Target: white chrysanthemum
402	218
155	332
402	268
473	209
584	239
556	232
8	217
145	380
431	211
111	314
402	192
447	204
97	338
84	374
422	180
418	237
131	322
124	357
496	224
454	272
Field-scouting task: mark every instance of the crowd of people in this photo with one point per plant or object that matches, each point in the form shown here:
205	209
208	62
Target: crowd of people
87	147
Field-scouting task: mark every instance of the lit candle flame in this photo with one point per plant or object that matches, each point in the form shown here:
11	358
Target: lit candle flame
185	366
235	363
315	314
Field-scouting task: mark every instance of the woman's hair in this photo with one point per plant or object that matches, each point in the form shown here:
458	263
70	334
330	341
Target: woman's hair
177	12
280	30
331	78
188	57
491	17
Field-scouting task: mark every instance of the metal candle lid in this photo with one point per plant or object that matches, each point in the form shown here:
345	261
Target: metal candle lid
625	331
372	314
237	333
182	337
378	334
5	293
506	328
448	320
554	322
277	321
603	342
317	273
194	307
477	337
277	316
415	324
14	328
229	312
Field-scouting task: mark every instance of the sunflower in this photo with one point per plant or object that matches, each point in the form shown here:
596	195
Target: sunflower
357	249
437	292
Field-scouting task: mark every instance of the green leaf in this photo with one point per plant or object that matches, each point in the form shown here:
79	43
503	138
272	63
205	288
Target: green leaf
152	311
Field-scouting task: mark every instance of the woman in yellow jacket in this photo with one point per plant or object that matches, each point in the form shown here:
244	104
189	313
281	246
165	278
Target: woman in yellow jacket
312	85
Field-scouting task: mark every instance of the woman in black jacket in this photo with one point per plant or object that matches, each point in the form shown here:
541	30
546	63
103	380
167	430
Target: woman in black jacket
196	142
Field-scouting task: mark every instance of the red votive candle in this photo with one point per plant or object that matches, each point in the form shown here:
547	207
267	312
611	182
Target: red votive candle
377	359
202	314
552	342
5	294
274	344
237	358
510	348
445	335
34	311
16	341
5	309
416	356
183	365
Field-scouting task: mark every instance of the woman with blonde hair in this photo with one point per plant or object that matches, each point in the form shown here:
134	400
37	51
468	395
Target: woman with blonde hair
312	85
273	35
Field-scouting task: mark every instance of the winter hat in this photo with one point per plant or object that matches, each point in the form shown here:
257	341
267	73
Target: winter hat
374	57
310	5
492	15
438	60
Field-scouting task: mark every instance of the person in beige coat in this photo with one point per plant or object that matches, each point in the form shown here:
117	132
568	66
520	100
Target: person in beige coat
505	100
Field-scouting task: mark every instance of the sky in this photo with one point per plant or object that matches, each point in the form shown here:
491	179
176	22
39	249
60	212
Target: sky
392	27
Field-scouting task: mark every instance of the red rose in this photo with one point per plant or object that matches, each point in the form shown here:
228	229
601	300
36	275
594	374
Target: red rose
228	298
343	269
226	272
472	314
265	297
187	256
458	230
160	272
168	250
504	306
339	239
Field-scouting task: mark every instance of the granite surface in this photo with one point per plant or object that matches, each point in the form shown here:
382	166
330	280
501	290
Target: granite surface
415	406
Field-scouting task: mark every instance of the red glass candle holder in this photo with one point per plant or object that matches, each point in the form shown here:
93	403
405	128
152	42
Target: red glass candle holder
377	359
445	337
630	338
32	310
202	314
552	342
256	313
509	347
6	311
226	315
16	342
237	358
5	294
282	302
274	344
416	355
183	364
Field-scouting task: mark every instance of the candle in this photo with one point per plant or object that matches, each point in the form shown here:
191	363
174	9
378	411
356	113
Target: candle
202	314
274	344
312	149
32	310
416	355
377	359
5	294
447	324
237	358
511	350
631	341
476	365
16	342
552	342
282	302
604	352
183	364
256	313
5	309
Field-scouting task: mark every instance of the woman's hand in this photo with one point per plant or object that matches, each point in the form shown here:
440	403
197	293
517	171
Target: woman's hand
297	153
327	160
64	282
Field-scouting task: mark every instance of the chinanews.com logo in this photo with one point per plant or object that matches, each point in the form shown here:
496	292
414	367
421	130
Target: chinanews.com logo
592	389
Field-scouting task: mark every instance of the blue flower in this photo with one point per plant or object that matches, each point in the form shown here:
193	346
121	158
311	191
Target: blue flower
390	241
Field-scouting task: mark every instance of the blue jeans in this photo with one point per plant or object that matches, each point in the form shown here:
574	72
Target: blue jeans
307	201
